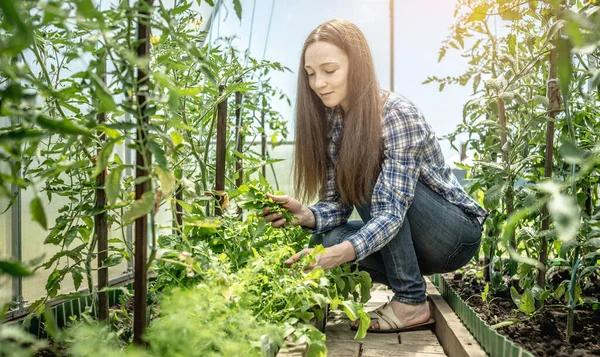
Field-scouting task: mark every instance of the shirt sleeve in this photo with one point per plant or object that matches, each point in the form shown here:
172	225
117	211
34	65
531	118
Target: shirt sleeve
330	211
404	134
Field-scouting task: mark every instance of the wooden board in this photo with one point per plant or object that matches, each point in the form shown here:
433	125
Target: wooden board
293	350
453	335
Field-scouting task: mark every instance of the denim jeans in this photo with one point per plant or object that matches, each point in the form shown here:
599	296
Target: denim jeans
436	237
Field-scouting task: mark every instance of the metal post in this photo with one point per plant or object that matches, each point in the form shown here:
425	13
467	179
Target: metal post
129	172
263	142
16	240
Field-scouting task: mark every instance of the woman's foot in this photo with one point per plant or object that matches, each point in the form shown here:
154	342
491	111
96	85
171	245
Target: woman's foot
408	315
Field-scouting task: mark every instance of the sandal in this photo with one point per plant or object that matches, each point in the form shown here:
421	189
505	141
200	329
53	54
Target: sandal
388	322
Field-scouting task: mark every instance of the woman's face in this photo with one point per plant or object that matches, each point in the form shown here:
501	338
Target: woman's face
327	68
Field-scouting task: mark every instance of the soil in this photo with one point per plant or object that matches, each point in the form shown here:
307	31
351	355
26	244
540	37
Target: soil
545	333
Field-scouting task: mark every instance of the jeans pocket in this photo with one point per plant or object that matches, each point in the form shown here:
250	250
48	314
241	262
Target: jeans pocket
461	256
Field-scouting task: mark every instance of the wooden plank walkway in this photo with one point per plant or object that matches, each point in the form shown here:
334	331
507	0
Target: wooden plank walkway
340	338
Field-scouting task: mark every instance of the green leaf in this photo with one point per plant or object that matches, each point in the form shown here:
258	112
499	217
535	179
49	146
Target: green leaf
339	282
50	325
589	271
365	287
545	295
159	154
564	63
70	235
192	91
478	14
564	211
186	206
274	141
350	308
512	43
112	260
560	291
20	135
105	100
167	181
140	207
13	268
593	242
476	81
181	8
103	157
533	5
494	194
572	30
365	322
22	32
177	138
527	302
507	322
112	133
53	283
37	212
442	54
210	75
77	278
571	153
64	126
511	15
72	296
87	9
112	186
237	6
516	298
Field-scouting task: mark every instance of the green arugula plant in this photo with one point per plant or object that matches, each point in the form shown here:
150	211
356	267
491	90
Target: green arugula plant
252	196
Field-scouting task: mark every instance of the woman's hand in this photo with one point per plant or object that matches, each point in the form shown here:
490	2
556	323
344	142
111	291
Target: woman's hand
334	256
304	216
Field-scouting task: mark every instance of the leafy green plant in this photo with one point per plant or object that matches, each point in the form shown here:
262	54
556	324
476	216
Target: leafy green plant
14	341
252	196
532	65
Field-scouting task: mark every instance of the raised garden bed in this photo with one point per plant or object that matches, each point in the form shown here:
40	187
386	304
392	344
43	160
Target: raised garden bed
539	335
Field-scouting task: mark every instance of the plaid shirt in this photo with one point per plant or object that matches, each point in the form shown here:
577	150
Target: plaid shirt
411	153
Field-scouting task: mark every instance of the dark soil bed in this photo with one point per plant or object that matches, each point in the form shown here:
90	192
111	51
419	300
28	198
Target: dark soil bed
544	334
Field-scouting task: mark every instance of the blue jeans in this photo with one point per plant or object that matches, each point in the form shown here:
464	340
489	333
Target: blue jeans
436	237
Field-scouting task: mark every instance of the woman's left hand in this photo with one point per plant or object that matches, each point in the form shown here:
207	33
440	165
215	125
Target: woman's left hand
334	256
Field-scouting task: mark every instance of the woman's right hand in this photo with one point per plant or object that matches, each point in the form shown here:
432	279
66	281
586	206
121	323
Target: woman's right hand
294	206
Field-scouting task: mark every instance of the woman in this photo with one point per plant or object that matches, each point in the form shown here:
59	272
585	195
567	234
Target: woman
359	146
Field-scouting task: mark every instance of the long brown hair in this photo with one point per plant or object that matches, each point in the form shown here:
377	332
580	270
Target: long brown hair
358	159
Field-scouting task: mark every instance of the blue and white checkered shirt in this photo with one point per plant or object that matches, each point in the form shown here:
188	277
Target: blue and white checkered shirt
411	153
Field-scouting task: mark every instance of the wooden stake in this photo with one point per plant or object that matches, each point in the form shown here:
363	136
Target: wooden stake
553	94
143	162
239	138
221	152
100	220
509	193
